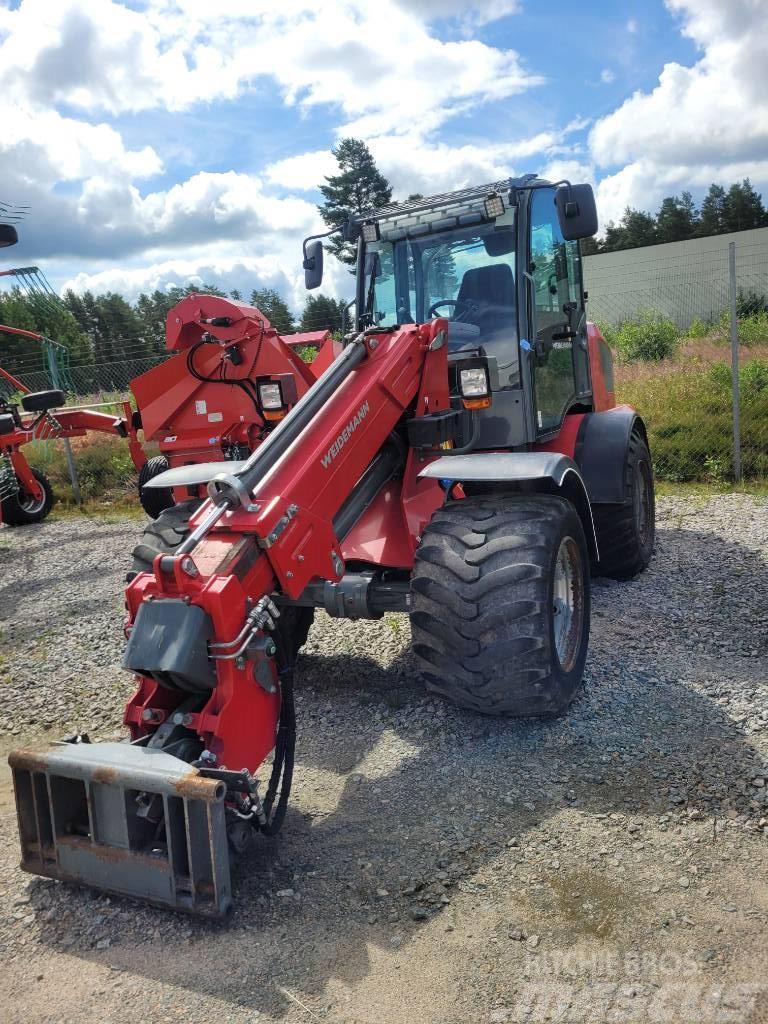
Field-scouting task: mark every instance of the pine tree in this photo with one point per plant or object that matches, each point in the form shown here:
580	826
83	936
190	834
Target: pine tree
358	187
676	219
634	230
640	228
322	313
590	246
712	218
274	308
743	208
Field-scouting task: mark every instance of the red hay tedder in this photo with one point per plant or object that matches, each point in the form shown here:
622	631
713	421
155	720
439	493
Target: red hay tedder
25	493
461	459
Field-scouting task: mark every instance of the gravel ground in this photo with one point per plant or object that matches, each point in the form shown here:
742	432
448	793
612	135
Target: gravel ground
436	866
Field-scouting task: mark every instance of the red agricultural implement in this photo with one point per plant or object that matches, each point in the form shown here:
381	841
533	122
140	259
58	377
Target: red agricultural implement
26	495
461	459
208	401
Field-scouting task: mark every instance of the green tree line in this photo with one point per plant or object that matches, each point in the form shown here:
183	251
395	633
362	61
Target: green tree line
677	219
98	329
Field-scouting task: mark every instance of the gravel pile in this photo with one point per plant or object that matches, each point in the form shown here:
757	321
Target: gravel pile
435	866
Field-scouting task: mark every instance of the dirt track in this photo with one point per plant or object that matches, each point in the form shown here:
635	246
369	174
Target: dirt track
436	866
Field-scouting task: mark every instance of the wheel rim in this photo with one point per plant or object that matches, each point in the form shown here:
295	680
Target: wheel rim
568	603
643	499
29	504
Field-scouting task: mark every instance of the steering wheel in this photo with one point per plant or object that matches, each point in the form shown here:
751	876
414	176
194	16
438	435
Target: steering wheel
441	302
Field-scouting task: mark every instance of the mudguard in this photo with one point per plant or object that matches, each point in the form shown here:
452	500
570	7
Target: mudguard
553	472
601	452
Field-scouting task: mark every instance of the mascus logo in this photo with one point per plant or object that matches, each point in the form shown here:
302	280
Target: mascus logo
345	435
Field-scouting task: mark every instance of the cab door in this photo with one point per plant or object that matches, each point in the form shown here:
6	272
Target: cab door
557	316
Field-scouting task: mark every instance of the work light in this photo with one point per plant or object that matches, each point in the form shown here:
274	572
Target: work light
474	382
271	395
371	231
494	206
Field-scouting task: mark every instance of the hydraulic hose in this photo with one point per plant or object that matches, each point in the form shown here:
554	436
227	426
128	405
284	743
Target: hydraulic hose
285	745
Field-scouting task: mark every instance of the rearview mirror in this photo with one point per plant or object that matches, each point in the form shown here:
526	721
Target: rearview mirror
313	264
500	242
8	235
576	211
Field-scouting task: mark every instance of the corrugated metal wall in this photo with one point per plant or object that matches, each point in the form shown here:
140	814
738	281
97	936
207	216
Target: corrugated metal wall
683	280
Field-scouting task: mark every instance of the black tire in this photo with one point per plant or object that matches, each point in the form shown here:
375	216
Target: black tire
154	500
482	604
166	533
163	536
42	401
21	509
626	533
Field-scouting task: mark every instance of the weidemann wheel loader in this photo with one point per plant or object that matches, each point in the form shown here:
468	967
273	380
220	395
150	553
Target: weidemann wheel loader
462	459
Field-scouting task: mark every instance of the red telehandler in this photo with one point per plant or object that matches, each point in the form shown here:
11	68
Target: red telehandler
462	459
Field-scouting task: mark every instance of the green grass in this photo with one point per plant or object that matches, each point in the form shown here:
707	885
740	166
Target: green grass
706	489
104	469
688	414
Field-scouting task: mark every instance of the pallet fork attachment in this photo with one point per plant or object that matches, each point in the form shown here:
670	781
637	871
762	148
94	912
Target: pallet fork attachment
90	814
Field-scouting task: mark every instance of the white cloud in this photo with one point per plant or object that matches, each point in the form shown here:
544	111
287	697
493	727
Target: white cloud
632	26
607	76
417	163
280	270
704	123
174	55
44	146
482	13
303	172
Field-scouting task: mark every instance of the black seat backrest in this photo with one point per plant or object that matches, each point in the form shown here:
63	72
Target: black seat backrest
489	292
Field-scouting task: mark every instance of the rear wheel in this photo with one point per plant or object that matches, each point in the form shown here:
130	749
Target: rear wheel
22	508
154	500
500	604
626	533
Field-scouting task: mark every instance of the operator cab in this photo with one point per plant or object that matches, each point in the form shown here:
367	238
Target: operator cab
502	265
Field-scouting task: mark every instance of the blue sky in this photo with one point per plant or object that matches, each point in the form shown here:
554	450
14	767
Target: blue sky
165	141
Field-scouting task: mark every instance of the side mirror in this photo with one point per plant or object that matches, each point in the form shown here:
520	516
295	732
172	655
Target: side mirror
313	264
576	211
8	235
7	426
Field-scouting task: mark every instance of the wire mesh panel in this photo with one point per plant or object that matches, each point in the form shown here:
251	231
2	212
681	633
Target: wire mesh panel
666	312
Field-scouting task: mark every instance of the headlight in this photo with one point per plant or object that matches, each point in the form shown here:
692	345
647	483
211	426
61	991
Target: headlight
271	396
473	383
494	206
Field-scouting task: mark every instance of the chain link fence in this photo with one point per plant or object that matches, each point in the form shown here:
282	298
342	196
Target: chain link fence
688	323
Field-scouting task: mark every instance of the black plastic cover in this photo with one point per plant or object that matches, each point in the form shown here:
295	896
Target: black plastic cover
169	643
7	425
433	430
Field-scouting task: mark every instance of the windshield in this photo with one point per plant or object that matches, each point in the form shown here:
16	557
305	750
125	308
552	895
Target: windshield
466	275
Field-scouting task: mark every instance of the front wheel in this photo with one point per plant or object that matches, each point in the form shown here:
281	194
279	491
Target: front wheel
23	508
500	604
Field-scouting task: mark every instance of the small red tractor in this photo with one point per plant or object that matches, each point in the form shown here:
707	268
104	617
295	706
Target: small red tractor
26	495
461	459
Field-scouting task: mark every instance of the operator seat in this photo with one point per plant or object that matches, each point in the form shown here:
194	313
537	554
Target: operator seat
486	298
